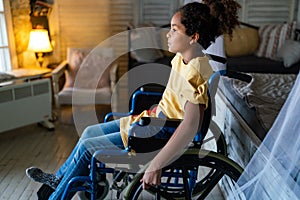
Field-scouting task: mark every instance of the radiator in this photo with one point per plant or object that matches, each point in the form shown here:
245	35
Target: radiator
25	103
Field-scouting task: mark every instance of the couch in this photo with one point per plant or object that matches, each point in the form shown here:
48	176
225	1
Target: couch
83	84
267	49
246	51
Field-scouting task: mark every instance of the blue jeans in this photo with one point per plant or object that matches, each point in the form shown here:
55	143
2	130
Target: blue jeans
96	137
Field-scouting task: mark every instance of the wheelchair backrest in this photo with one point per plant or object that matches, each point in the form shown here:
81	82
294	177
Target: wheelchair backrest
212	87
145	97
205	124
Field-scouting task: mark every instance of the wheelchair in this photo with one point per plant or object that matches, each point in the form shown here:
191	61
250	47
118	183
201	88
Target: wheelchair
192	176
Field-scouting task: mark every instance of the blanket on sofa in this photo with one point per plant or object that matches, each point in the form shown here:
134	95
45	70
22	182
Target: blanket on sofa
266	93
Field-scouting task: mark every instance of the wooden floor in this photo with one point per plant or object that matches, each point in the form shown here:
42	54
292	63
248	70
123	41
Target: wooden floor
31	146
36	146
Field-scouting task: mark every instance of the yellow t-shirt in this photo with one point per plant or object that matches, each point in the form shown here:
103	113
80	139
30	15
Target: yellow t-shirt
187	82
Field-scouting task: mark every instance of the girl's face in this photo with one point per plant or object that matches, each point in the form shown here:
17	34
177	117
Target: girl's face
178	41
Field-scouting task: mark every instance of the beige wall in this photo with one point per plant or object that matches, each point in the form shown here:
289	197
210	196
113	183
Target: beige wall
20	11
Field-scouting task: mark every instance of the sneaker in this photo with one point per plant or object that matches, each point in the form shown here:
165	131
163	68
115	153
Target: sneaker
44	192
38	175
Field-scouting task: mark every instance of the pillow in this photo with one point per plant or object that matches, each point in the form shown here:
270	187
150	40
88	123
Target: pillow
75	58
94	72
272	38
145	45
289	52
244	41
91	66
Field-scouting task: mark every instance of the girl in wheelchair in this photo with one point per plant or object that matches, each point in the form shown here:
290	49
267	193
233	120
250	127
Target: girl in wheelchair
193	28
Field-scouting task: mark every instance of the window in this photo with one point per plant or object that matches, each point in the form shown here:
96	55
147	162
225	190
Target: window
260	12
6	48
157	11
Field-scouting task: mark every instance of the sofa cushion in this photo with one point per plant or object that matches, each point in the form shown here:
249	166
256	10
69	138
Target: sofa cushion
254	64
244	41
272	37
289	52
78	96
94	71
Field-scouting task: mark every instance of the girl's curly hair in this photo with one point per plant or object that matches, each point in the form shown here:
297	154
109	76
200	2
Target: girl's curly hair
196	18
226	11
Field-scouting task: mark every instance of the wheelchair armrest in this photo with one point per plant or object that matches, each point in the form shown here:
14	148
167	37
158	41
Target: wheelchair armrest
56	74
151	121
146	142
152	88
154	121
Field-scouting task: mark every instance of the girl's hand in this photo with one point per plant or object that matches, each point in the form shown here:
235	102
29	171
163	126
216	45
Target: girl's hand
151	178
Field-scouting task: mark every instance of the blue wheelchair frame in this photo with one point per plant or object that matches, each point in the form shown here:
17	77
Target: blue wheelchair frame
185	168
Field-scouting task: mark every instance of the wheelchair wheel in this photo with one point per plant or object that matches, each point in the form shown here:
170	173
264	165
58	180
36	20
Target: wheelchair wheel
211	167
103	189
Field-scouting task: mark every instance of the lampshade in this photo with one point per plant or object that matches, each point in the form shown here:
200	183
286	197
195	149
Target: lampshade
39	41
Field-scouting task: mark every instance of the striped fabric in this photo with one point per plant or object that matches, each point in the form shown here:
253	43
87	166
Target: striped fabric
272	37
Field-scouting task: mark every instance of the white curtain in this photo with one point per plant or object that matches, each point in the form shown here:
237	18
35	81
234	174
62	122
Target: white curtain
274	170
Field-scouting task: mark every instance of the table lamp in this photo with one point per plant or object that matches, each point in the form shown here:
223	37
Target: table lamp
39	43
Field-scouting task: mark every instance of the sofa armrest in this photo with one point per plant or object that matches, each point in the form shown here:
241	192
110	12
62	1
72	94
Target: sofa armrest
113	75
56	75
